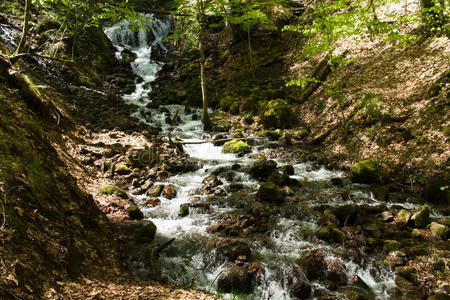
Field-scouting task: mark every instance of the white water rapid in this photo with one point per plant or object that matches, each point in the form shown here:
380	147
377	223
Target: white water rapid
191	260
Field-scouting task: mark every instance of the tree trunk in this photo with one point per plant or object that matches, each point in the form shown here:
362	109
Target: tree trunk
250	55
205	116
26	27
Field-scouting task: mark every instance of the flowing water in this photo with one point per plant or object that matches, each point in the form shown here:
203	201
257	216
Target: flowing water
190	260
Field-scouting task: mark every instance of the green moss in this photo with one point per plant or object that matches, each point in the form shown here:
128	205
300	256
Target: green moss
135	213
391	245
86	81
269	192
421	217
113	190
301	134
331	233
146	233
123	170
277	114
367	171
226	102
439	230
236	146
404	215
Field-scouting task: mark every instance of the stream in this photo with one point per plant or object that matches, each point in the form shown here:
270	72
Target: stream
276	235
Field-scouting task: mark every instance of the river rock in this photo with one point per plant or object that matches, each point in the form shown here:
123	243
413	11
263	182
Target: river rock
122	170
269	192
347	214
287	169
386	216
210	182
237	147
277	114
134	212
169	191
367	171
300	288
331	233
146	233
184	210
421	217
235	280
153	201
313	264
404	216
356	293
233	249
391	245
156	190
439	230
263	169
113	190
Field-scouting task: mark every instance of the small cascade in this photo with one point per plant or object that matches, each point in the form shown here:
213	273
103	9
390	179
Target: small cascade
191	260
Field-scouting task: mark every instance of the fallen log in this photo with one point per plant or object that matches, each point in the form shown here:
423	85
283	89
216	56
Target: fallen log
215	141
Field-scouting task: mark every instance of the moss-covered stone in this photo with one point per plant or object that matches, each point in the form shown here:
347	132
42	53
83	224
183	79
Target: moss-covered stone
277	114
113	190
248	106
135	213
169	191
155	191
421	217
269	192
404	215
146	233
391	245
331	233
184	210
301	134
367	171
236	147
123	170
227	101
439	230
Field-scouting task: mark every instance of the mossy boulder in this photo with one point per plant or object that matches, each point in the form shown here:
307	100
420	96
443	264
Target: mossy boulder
134	212
235	280
169	191
184	210
248	106
331	233
439	230
123	170
113	190
421	217
155	191
227	101
277	114
391	245
301	134
404	215
146	233
236	147
367	171
269	192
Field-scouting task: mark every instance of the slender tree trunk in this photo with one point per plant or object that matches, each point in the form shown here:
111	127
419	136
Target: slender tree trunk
250	54
205	116
26	27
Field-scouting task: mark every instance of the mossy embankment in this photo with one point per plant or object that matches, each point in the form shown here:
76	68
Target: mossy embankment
55	242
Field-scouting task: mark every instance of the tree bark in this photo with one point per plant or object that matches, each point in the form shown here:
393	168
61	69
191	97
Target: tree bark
26	27
250	54
201	18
